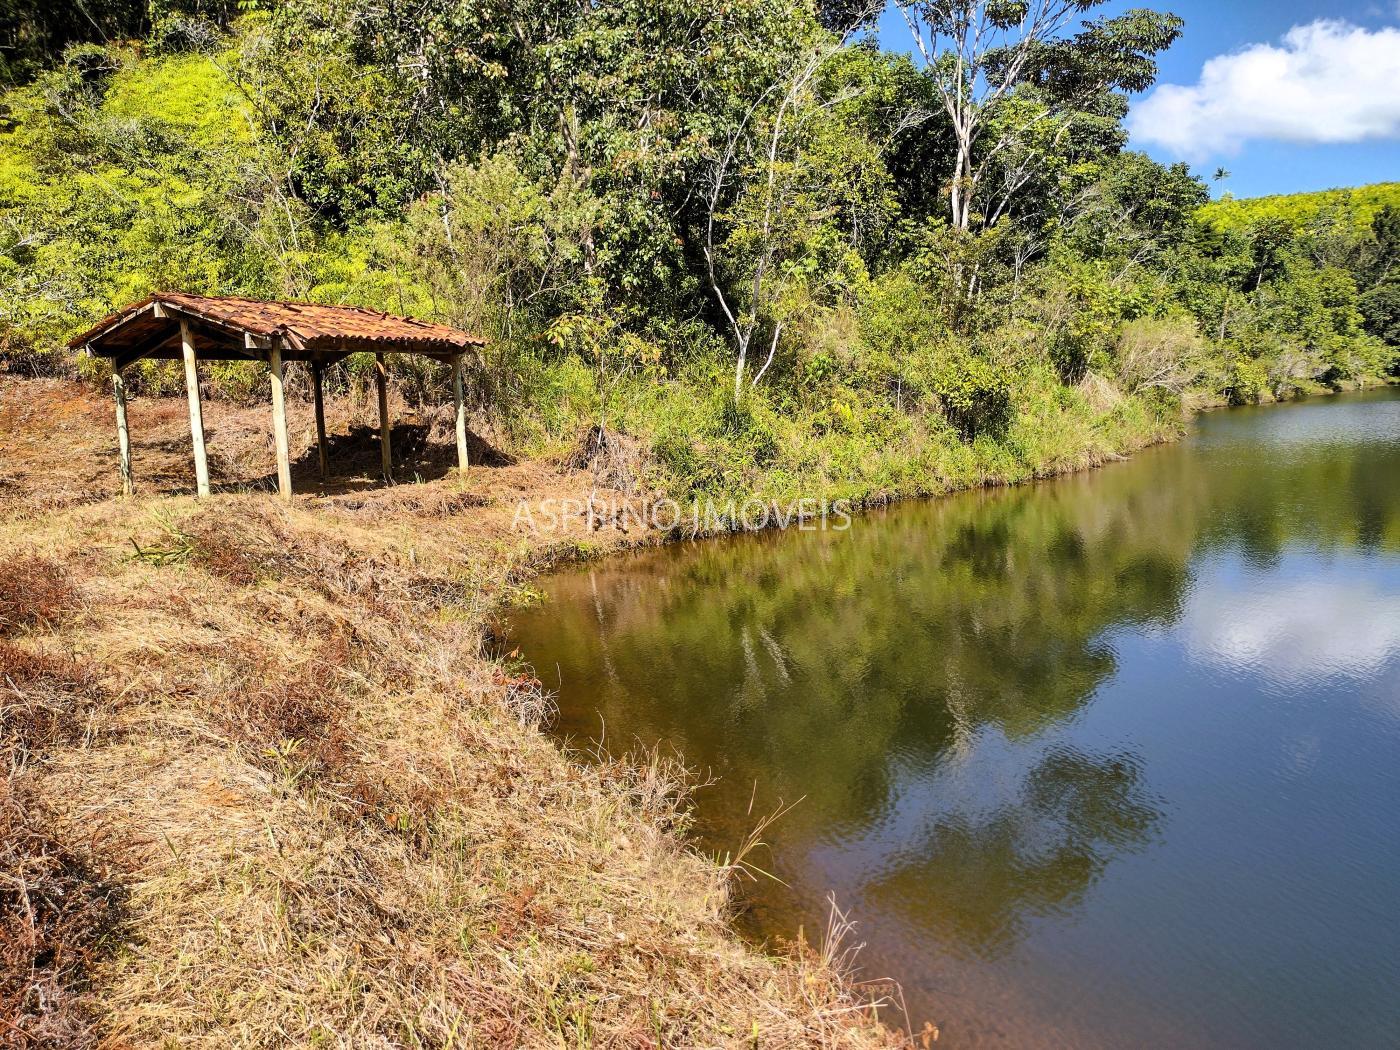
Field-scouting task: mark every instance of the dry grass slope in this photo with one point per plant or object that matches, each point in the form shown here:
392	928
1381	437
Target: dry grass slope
263	786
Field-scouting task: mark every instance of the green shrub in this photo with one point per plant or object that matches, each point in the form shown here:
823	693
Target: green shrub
1381	309
975	394
1246	381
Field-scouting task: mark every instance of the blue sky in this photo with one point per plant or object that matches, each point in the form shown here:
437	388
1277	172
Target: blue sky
1284	109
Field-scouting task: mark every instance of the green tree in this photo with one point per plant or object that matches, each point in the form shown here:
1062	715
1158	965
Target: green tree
789	177
981	53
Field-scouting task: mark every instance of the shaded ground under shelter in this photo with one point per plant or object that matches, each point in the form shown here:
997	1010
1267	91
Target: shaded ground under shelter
174	326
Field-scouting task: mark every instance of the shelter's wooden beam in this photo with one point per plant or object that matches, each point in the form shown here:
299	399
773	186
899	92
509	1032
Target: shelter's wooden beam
318	372
142	349
230	331
206	351
123	436
228	346
201	461
459	402
122	322
381	383
279	424
219	344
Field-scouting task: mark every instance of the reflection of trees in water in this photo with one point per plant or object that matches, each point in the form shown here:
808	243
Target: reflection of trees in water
803	663
804	667
1323	494
974	881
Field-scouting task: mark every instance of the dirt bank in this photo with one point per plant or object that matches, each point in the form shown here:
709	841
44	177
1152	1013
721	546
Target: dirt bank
264	786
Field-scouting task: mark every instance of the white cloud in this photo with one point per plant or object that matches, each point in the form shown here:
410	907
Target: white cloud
1299	632
1327	82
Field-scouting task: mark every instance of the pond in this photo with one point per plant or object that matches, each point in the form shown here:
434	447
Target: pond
1106	761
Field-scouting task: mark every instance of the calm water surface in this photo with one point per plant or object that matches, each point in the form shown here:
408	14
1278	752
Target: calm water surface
1108	761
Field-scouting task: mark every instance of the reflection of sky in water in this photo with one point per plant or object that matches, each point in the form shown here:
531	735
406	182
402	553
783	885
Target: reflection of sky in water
1005	870
1106	762
1299	621
999	834
1307	423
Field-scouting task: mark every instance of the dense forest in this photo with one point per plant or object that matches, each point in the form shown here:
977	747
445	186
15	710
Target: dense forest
740	247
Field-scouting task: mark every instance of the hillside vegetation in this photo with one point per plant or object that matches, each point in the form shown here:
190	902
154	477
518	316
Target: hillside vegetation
1358	207
768	262
266	783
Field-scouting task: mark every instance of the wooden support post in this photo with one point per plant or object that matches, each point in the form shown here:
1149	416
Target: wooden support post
381	382
201	461
459	402
322	445
123	436
279	424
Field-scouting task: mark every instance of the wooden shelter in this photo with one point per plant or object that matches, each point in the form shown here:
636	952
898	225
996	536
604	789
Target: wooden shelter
175	326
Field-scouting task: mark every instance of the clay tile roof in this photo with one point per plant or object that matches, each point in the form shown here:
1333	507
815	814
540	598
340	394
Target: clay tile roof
299	326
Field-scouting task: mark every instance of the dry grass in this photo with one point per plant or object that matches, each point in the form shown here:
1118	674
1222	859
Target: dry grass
58	917
615	460
34	592
327	816
44	701
58	913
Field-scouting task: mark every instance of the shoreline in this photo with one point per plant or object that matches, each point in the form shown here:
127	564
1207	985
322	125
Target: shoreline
569	553
271	737
267	786
634	578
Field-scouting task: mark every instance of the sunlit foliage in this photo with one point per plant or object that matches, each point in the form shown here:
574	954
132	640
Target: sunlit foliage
629	198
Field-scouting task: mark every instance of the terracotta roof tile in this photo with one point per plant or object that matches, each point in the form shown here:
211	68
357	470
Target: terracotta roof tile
301	326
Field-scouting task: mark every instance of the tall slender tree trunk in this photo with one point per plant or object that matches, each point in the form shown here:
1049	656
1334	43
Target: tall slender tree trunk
955	191
960	195
739	370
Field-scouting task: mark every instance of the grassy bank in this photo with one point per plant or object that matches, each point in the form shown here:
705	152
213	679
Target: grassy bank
265	784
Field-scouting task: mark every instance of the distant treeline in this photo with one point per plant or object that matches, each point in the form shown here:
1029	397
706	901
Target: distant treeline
1359	206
